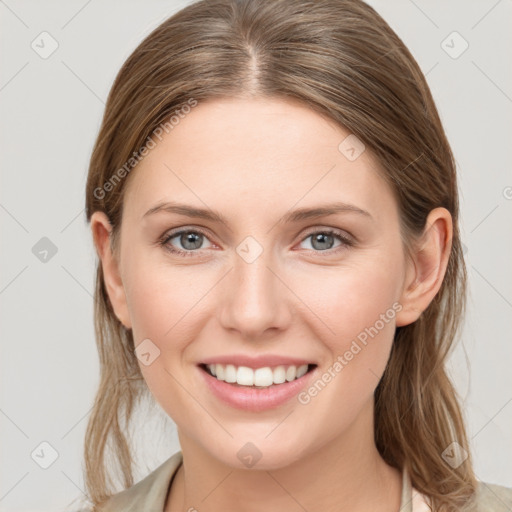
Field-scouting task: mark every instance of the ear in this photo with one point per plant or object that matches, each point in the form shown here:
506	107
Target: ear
425	272
101	229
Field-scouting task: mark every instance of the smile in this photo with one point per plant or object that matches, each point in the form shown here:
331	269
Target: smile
259	377
258	389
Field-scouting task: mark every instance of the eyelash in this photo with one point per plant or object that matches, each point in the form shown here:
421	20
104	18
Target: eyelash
164	241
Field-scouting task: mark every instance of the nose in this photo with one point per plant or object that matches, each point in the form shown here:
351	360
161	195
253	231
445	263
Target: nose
256	301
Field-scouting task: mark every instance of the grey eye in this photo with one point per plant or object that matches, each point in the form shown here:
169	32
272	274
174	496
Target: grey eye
322	241
188	240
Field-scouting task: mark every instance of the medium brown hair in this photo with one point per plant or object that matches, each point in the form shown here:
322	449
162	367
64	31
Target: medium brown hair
342	60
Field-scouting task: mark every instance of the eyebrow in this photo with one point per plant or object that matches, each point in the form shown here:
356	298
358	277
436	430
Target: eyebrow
293	216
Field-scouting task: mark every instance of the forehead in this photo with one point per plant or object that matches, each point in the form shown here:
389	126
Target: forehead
254	153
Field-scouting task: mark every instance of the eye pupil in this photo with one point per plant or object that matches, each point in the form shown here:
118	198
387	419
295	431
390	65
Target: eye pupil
322	238
193	238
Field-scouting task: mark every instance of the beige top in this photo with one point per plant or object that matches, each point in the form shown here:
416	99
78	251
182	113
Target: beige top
150	494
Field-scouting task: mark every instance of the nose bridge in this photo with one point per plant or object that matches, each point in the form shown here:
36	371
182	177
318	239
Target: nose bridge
254	301
251	270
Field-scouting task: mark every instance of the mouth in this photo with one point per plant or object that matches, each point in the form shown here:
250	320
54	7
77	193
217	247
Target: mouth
257	378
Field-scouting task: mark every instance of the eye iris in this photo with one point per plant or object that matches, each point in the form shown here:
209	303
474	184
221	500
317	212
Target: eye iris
194	238
321	238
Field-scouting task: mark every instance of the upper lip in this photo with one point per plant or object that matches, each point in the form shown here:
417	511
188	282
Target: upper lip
256	361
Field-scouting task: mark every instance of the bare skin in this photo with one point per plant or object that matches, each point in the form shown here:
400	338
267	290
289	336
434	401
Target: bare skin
254	161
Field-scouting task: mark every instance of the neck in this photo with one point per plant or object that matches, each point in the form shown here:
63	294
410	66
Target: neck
345	474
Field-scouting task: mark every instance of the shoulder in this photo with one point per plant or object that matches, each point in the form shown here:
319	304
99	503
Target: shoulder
149	494
493	498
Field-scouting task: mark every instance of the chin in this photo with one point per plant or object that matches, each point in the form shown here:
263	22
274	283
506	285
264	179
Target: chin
259	455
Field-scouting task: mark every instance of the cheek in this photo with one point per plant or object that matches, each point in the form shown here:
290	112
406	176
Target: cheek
158	297
160	304
355	309
359	307
348	300
166	306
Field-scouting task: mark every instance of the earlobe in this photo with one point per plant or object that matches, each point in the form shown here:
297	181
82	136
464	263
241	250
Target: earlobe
427	268
101	229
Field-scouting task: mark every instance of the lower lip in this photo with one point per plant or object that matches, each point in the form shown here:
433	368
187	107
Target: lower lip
256	399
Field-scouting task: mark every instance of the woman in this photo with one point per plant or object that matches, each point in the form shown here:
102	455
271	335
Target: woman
274	205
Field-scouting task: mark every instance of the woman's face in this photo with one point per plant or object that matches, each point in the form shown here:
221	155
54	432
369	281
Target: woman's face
266	282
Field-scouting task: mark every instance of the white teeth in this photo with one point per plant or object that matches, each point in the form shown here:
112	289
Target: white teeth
230	373
261	377
279	374
245	376
291	373
301	370
219	371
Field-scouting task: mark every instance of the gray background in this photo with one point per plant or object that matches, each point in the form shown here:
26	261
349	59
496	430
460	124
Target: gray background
50	111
